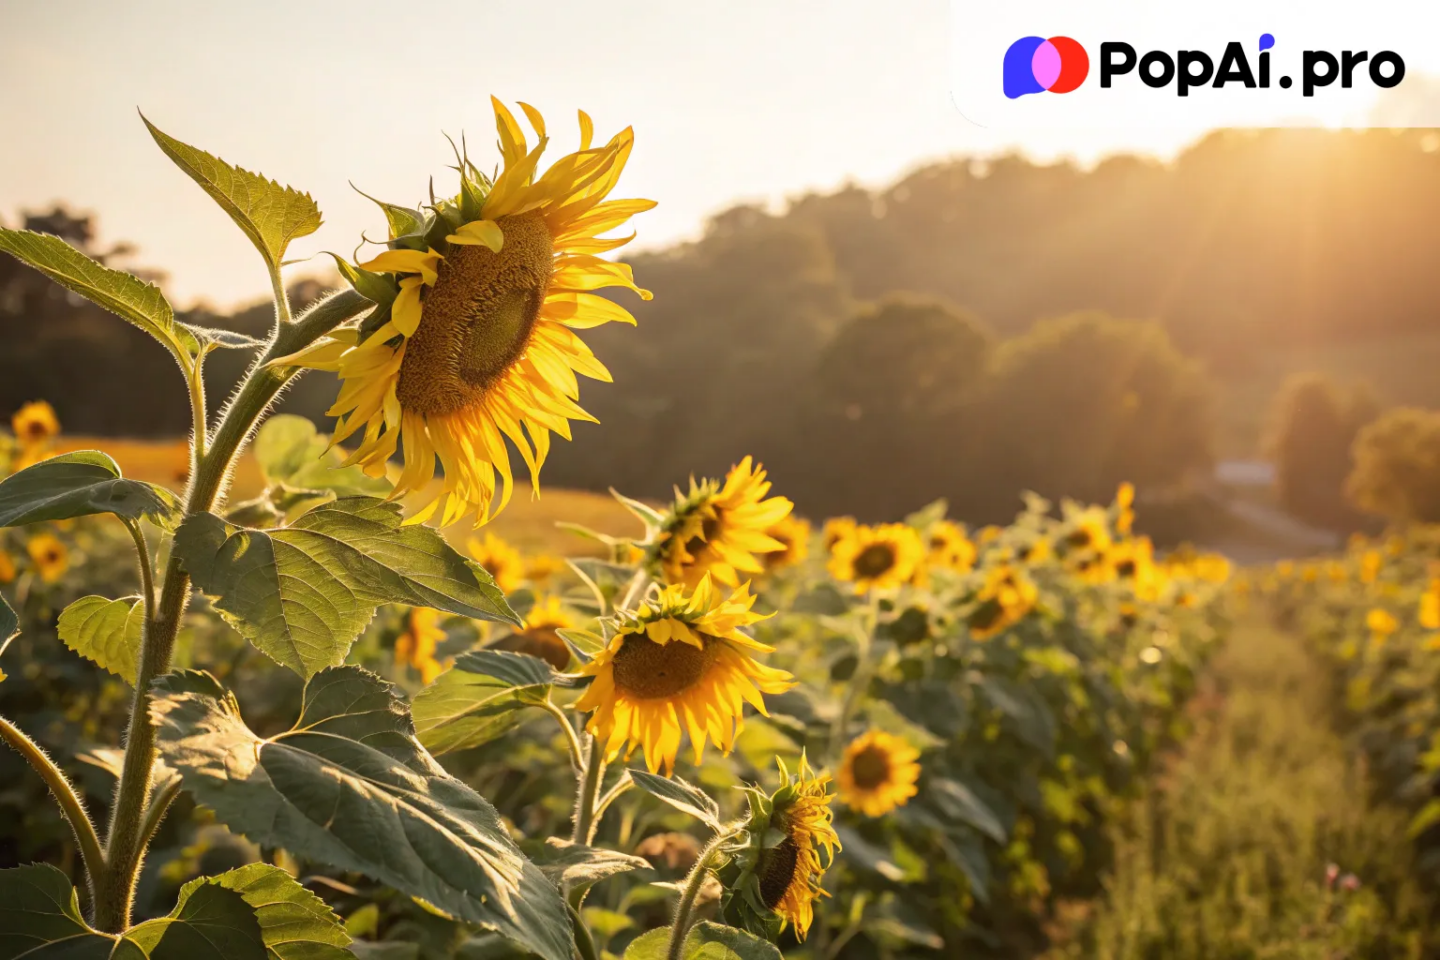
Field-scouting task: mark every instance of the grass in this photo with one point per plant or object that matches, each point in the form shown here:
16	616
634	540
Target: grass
527	523
1227	856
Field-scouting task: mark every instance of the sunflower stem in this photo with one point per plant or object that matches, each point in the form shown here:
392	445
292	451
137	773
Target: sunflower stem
577	755
65	796
589	791
614	793
688	894
125	846
147	569
860	679
195	378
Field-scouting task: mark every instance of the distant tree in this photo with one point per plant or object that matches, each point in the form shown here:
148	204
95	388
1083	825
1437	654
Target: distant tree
1082	403
1313	425
1397	466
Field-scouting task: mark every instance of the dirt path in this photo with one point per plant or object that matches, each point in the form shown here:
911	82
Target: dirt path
1230	854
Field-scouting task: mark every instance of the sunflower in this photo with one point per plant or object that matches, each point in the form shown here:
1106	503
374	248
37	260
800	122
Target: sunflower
473	339
680	662
539	638
835	530
781	855
416	647
877	558
1089	531
35	424
49	555
794	533
948	547
7	567
542	568
717	530
1005	599
878	773
500	560
1125	507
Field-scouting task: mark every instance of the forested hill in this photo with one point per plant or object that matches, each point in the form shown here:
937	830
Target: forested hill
1247	244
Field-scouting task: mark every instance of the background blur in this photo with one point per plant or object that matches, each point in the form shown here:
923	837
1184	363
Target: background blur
883	303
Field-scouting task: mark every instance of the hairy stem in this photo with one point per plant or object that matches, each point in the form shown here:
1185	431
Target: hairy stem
577	755
65	795
147	568
691	890
125	845
613	794
589	791
195	378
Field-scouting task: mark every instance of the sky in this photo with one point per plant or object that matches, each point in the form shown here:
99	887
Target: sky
750	100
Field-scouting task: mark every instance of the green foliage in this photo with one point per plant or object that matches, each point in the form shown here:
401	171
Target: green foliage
680	795
1313	426
290	451
706	941
1397	467
269	214
40	911
294	923
108	632
570	864
122	294
346	775
303	593
79	485
479	699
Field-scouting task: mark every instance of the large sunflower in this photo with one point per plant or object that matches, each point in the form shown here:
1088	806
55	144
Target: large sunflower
877	558
473	341
878	773
717	531
781	856
680	662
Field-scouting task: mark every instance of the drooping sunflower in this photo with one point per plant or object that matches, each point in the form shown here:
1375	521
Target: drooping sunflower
473	340
781	856
35	424
948	547
500	560
416	647
1005	599
877	558
49	556
681	662
539	638
794	533
878	773
717	530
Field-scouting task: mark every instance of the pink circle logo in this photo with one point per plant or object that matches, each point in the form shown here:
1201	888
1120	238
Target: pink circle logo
1035	65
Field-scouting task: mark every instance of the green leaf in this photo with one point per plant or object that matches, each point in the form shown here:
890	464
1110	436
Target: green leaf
40	917
222	339
78	485
650	945
108	632
303	593
959	802
270	215
680	795
294	923
9	623
291	452
584	644
648	515
479	698
1428	816
122	294
389	950
713	941
349	785
575	864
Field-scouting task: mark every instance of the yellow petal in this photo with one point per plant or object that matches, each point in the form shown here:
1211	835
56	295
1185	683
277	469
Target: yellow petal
480	233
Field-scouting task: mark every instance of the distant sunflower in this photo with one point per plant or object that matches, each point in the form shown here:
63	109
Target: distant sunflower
49	555
1089	531
416	647
948	547
794	533
775	886
500	560
35	424
473	341
877	558
539	638
542	568
7	567
718	530
1005	599
878	773
679	663
835	530
1125	508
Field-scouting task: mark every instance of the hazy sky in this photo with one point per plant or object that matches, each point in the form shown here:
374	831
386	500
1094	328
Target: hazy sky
749	99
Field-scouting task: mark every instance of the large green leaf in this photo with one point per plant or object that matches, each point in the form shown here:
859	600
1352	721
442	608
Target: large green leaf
117	291
303	593
575	864
479	698
270	215
349	785
680	795
40	920
107	631
705	941
294	923
80	484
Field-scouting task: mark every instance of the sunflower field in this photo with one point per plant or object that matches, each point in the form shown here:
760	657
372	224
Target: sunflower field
340	717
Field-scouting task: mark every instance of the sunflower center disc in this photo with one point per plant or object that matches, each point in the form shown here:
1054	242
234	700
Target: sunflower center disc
874	560
477	319
871	767
542	642
648	670
777	869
